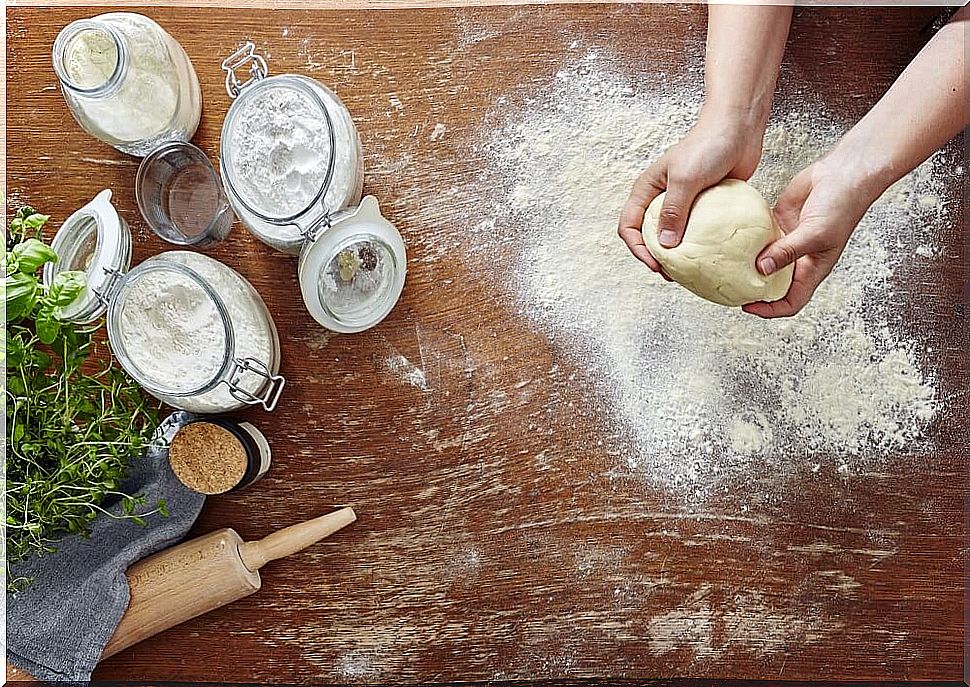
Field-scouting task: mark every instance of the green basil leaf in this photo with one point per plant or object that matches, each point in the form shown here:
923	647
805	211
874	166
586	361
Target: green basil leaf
16	351
31	254
20	294
48	327
35	220
66	287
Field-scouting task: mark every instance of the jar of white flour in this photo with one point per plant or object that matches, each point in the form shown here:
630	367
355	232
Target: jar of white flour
289	154
292	167
127	81
191	330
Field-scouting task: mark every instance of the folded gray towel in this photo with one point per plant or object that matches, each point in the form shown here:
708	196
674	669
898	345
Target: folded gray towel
58	626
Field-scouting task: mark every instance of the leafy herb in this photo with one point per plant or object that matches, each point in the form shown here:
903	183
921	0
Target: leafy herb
74	421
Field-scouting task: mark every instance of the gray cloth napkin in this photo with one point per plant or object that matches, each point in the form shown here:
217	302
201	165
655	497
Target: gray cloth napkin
58	626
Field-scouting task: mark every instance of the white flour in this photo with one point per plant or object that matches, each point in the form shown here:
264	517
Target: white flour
157	94
281	149
173	333
702	392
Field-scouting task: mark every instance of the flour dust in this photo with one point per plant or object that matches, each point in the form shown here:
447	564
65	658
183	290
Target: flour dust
705	395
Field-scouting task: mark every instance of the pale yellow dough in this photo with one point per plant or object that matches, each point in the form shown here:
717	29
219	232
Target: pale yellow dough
727	228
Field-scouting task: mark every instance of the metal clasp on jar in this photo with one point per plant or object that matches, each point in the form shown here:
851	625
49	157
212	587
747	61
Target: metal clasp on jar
245	55
271	394
316	227
111	286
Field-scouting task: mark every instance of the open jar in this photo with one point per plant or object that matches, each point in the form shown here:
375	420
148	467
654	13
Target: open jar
292	167
289	152
127	81
189	329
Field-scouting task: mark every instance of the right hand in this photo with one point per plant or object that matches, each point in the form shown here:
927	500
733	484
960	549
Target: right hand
717	147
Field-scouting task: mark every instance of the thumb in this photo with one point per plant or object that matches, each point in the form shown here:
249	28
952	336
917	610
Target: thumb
672	222
787	249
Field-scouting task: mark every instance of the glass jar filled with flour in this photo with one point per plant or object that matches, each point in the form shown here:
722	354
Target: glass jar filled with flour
127	81
191	330
292	166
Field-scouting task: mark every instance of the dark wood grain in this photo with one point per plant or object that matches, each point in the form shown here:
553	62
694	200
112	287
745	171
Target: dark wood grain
489	547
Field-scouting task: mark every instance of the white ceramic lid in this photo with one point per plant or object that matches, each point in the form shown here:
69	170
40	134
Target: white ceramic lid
352	274
96	241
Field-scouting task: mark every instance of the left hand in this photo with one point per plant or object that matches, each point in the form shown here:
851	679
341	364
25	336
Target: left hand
818	212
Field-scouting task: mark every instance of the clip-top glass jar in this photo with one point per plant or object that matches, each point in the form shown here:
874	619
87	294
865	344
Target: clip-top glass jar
292	167
127	81
352	271
191	330
289	152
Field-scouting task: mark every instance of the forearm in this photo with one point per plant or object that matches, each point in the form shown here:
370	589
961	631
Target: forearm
745	45
925	108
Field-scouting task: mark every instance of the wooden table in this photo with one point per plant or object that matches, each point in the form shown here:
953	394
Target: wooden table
474	559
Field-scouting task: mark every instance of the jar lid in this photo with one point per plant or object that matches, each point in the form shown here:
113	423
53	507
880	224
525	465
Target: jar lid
96	241
277	143
352	273
162	317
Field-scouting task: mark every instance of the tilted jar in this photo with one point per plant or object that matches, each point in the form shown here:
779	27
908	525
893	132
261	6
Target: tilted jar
127	81
243	371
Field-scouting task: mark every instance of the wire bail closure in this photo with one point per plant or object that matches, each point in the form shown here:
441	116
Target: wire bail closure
111	286
267	399
316	227
245	55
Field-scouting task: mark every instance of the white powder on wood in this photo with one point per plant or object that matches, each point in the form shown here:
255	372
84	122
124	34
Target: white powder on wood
699	390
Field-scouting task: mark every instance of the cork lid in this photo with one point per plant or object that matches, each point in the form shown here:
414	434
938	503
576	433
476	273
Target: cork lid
208	458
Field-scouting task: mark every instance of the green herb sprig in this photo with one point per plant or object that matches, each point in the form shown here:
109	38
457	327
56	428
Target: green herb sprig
74	421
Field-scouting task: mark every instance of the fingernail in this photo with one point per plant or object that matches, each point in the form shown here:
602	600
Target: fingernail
668	238
767	266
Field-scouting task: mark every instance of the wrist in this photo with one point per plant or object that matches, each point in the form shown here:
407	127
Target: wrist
864	164
742	128
749	114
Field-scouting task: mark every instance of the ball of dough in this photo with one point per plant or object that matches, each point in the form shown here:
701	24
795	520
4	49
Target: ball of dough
727	229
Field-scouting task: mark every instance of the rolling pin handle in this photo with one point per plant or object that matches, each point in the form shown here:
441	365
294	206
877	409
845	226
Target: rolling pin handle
289	540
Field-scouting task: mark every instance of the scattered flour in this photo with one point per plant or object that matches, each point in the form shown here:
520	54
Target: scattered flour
746	624
438	132
407	372
702	391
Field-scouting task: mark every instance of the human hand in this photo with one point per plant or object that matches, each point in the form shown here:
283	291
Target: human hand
720	145
818	212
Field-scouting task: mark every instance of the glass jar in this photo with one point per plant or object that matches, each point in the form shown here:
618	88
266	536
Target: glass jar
189	329
290	154
127	81
292	167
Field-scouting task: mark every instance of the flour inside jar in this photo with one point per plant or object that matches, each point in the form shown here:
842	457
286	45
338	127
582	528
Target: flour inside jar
281	150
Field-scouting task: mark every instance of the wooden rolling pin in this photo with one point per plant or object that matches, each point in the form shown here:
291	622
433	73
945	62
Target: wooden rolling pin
202	574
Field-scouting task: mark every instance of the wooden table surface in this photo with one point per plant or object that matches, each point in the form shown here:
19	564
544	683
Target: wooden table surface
488	546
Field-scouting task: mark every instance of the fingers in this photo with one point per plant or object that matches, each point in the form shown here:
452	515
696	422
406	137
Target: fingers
786	250
808	275
673	213
633	238
648	186
789	206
